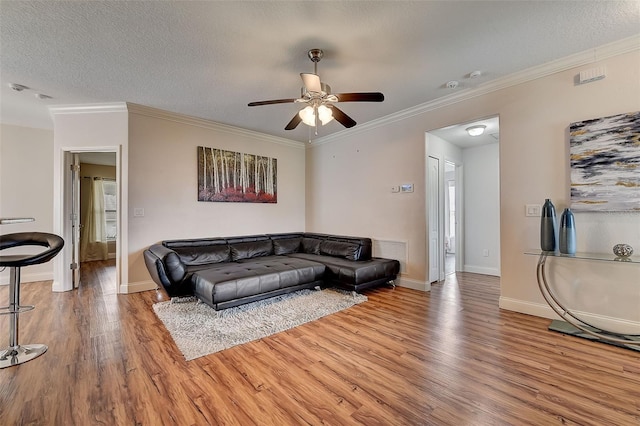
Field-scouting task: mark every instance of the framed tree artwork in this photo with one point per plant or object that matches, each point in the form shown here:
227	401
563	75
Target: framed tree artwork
228	176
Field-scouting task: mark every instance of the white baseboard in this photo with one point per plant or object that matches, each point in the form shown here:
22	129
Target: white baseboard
26	278
545	311
413	284
482	270
137	287
537	309
59	287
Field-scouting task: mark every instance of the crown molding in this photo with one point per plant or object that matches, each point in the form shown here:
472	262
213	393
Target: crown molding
208	124
88	108
590	56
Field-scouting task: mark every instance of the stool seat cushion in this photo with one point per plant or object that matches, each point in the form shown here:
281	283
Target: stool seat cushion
52	242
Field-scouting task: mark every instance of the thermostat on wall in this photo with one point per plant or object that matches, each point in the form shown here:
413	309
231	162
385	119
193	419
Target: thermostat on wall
406	187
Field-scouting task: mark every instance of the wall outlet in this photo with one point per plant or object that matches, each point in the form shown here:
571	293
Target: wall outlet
138	212
533	210
395	188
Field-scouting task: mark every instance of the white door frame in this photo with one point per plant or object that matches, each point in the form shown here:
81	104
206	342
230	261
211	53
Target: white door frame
62	211
435	222
459	217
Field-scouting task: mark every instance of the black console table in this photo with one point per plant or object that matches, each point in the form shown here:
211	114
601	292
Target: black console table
575	325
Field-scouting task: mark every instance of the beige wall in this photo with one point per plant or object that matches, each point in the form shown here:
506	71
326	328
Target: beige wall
349	184
25	187
353	172
87	128
163	181
97	170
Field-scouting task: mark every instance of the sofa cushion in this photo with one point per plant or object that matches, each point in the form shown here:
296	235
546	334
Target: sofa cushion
203	255
286	245
248	250
311	245
343	249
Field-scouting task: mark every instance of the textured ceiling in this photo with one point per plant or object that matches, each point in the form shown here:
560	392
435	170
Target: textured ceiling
209	59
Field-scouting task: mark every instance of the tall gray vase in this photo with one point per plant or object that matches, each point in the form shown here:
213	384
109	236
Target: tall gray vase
567	232
548	227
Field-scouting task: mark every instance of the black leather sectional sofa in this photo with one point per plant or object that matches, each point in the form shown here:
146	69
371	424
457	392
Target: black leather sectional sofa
226	272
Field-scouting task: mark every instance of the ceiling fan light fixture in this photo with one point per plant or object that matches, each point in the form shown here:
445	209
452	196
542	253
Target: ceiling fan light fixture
308	115
476	130
325	114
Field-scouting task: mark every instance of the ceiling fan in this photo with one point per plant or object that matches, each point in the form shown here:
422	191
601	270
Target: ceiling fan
320	101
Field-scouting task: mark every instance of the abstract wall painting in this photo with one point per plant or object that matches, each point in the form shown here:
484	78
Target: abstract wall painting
605	163
229	176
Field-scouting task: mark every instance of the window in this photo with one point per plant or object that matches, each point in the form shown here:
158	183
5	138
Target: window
110	207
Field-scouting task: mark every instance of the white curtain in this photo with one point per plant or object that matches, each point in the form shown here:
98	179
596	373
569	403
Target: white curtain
93	237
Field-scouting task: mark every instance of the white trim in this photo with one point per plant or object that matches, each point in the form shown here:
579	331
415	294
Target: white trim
413	284
88	108
137	287
545	311
582	58
524	307
482	270
27	278
208	124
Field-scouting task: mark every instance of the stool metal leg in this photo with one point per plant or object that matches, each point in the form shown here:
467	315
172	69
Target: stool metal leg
17	354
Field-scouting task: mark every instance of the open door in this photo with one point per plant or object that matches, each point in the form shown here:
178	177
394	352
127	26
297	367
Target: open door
75	220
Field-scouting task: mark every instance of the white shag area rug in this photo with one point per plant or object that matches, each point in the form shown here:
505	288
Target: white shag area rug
199	330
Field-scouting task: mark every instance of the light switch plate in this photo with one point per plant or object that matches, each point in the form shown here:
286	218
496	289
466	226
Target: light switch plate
138	212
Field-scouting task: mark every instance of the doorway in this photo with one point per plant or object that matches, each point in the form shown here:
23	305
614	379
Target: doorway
464	210
90	212
450	218
98	207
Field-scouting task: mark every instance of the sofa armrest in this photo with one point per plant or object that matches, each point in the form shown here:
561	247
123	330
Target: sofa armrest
165	266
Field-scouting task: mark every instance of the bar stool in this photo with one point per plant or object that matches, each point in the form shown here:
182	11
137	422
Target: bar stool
17	354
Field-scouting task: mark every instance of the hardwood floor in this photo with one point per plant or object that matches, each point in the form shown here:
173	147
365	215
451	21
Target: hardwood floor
448	357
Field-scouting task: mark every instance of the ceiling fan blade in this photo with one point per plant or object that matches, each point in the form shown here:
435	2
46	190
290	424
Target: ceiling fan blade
341	117
294	122
274	101
311	82
360	97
